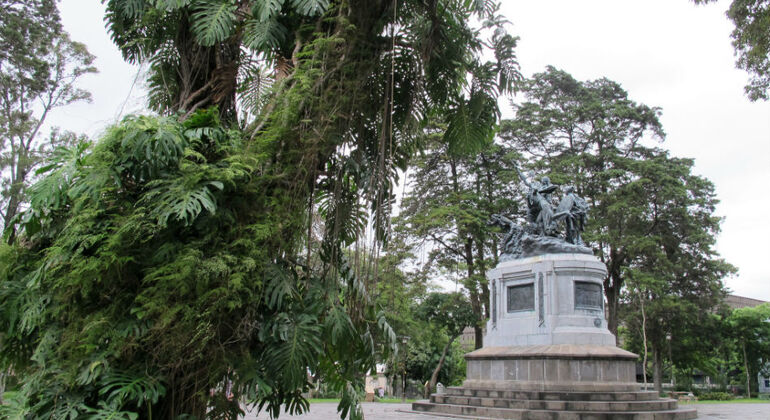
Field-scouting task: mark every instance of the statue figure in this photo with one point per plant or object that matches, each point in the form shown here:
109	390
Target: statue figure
539	204
512	238
541	234
573	210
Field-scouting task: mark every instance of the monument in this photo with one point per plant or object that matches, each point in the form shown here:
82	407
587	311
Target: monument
547	351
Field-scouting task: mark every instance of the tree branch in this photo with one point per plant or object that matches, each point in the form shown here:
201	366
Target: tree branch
448	247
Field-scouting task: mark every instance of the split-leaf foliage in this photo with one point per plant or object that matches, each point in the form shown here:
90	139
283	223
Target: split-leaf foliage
174	261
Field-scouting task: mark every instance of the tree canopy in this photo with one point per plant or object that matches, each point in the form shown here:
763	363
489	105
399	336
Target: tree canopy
751	40
589	134
39	68
651	219
445	213
176	258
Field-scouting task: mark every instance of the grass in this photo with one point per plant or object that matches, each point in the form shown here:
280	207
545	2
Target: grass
394	400
735	401
380	400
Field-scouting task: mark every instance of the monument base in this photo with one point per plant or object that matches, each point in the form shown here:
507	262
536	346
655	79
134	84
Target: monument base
560	367
555	405
567	382
548	353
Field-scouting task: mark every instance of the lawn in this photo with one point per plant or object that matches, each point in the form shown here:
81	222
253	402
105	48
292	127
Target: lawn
380	400
735	401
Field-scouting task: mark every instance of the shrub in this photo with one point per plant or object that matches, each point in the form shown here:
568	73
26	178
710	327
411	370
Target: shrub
715	396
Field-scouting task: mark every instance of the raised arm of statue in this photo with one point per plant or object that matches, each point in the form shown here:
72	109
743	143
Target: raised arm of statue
523	178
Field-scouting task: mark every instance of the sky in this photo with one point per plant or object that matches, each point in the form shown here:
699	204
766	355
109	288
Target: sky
666	53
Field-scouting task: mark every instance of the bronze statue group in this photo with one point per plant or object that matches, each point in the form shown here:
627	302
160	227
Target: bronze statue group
544	219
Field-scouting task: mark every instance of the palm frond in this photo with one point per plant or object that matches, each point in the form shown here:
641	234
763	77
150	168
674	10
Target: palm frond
107	412
310	7
299	346
263	35
121	387
507	62
267	9
471	125
278	287
172	200
131	8
171	4
254	87
213	20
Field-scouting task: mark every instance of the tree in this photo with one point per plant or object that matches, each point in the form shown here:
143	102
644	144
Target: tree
191	235
674	265
651	221
588	134
39	67
750	328
751	40
451	312
447	210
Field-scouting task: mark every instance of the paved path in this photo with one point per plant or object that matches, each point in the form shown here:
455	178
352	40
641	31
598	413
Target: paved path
387	411
759	411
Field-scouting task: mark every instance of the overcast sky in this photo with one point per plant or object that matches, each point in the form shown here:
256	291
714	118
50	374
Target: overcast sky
666	53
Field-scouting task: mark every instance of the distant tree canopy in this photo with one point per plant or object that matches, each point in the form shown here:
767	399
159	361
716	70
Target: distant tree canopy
651	219
751	40
175	259
39	68
451	312
648	211
446	211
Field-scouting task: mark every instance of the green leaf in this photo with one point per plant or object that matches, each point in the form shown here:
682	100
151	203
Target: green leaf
166	4
213	20
267	9
262	35
471	126
310	7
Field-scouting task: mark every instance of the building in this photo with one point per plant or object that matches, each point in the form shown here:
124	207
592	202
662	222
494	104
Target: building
736	302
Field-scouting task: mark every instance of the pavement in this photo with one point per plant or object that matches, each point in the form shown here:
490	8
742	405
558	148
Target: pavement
389	411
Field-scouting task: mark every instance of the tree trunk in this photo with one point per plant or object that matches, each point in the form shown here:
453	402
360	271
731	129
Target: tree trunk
657	365
14	200
612	285
2	386
644	338
434	376
612	294
467	251
207	76
478	337
483	282
473	291
746	366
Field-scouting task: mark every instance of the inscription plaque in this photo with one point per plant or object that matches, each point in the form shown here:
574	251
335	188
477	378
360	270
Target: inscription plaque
588	295
521	297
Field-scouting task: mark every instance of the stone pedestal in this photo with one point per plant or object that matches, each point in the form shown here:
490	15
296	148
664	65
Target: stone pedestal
546	300
548	353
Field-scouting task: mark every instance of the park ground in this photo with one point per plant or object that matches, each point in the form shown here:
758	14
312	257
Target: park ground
393	411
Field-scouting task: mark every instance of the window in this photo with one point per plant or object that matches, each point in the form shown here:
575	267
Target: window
588	295
521	297
767	383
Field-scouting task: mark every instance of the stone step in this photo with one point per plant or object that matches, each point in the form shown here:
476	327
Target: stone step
553	395
523	414
609	406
